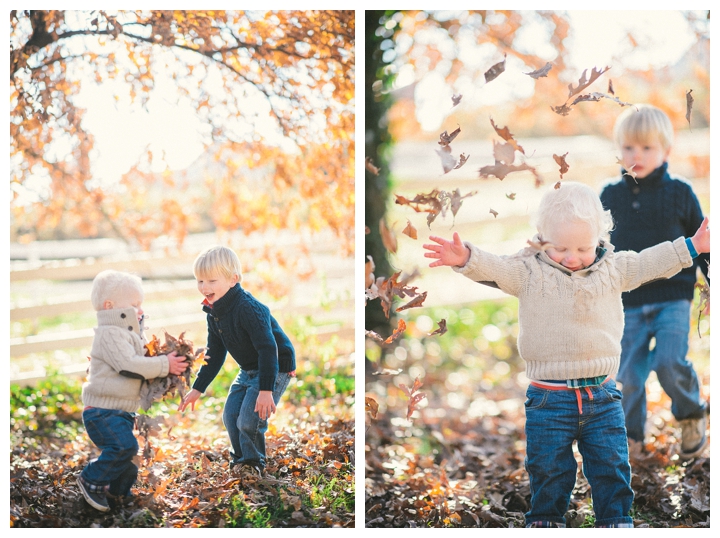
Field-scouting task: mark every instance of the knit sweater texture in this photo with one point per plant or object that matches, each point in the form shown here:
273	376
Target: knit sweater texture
648	211
240	324
571	323
118	346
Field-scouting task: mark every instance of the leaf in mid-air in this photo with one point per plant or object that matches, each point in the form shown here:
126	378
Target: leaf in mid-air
370	167
542	72
446	139
414	303
388	237
564	166
397	332
689	100
442	328
456	99
371	406
495	71
493	212
410	230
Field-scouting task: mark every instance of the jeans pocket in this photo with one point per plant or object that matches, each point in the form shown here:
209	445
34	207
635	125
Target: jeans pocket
535	398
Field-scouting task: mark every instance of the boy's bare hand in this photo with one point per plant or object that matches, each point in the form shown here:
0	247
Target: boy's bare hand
190	399
176	365
453	253
265	405
701	239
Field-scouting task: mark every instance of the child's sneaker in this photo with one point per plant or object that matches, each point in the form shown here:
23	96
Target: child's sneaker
693	437
94	495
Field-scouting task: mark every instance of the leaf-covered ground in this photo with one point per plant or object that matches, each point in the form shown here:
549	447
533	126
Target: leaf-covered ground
460	461
186	480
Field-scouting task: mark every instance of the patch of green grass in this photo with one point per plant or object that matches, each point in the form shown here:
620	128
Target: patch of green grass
54	402
331	494
240	514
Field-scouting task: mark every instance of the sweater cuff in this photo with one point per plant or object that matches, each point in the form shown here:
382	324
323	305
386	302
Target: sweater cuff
267	383
691	248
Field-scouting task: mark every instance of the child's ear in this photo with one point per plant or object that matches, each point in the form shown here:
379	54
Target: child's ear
108	305
667	153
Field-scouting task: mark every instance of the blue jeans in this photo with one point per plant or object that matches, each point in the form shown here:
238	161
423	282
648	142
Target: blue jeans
244	426
553	422
669	323
112	432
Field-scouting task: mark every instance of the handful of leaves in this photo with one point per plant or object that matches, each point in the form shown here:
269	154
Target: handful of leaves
156	389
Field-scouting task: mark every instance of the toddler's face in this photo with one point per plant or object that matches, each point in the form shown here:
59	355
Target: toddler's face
646	156
573	245
215	286
129	299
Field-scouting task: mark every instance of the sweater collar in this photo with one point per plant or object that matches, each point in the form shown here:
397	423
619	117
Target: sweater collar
125	318
224	303
653	179
601	253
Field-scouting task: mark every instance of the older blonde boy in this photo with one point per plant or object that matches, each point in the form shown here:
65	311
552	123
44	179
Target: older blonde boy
240	324
111	395
571	322
649	206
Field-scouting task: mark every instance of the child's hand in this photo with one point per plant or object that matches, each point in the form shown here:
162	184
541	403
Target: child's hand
265	405
453	253
701	239
176	365
190	399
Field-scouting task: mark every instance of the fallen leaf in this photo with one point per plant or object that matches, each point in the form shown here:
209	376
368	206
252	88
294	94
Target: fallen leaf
504	153
456	99
495	70
414	303
542	245
388	237
456	200
689	104
584	81
506	135
397	332
611	90
442	328
511	196
628	171
410	230
369	270
493	213
564	166
370	167
557	185
387	371
542	72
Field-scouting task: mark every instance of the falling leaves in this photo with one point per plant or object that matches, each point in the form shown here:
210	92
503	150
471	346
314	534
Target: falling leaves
371	406
456	99
564	166
417	301
689	100
399	330
413	395
542	72
410	230
436	202
386	289
628	171
583	83
442	328
541	246
510	196
493	212
506	135
375	337
495	71
369	270
557	185
446	139
501	170
370	167
388	238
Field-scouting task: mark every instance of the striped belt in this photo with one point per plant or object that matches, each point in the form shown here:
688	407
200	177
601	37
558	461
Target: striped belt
573	384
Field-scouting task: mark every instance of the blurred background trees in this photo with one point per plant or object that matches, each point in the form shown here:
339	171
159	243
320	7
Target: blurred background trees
271	101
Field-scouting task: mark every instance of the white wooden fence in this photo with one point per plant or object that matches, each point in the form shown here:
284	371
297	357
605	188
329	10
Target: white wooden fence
165	277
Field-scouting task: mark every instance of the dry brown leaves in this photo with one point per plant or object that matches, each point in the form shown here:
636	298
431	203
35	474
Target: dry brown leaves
414	397
584	82
437	202
542	72
153	390
689	100
564	166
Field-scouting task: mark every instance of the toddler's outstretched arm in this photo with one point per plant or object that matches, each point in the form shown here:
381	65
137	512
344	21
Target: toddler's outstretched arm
701	239
452	253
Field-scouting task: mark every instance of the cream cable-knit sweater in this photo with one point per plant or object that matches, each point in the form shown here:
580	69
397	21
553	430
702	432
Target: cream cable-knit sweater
118	345
571	323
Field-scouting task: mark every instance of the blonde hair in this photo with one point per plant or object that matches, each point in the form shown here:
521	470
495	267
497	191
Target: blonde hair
572	202
217	259
641	124
110	285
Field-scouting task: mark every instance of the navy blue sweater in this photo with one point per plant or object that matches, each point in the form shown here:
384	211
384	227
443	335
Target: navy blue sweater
654	209
240	324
